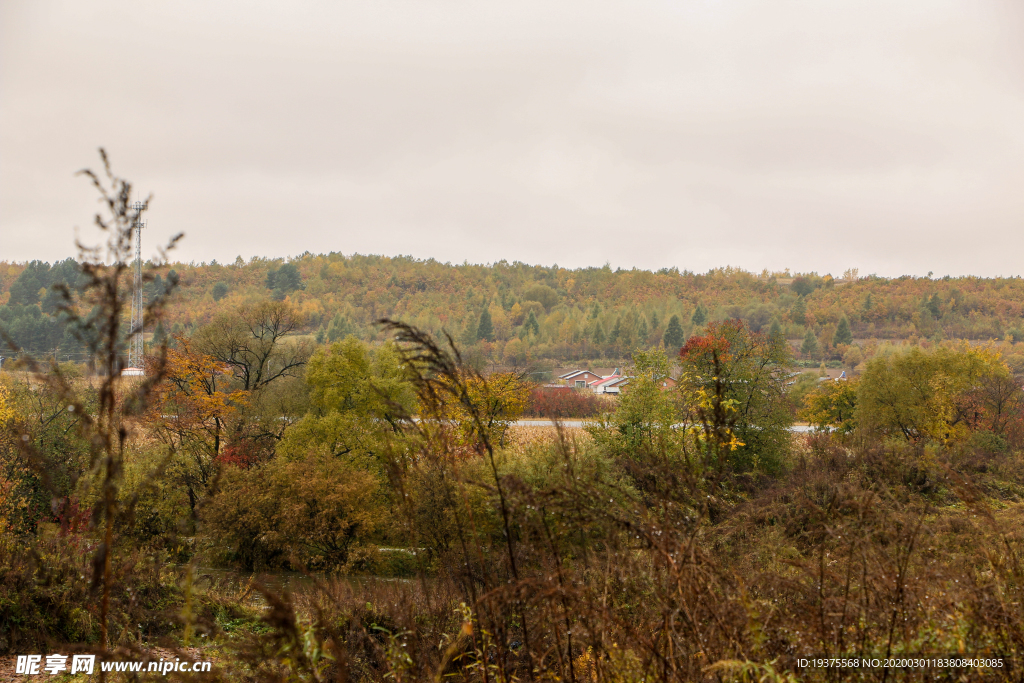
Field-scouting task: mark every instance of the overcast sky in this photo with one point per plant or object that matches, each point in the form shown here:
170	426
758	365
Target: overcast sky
817	135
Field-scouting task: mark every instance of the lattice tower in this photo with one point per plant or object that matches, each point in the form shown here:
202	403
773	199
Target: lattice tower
135	340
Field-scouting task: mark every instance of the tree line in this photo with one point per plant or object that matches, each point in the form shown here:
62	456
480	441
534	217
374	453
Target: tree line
514	313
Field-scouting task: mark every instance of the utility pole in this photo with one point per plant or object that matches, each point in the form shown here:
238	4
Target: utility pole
135	340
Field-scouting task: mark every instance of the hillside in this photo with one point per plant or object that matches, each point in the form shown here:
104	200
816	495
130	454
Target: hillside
539	312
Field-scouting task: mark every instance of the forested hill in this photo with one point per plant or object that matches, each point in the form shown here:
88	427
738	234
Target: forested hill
512	311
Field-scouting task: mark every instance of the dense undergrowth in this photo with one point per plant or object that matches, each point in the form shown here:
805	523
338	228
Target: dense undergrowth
857	549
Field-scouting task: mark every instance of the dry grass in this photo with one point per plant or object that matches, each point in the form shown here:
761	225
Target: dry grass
525	438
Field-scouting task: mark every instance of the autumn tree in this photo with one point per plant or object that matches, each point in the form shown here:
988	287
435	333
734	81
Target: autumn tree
942	395
731	377
324	492
253	347
33	488
251	342
440	296
356	399
497	401
15	473
542	294
190	412
644	422
831	406
310	513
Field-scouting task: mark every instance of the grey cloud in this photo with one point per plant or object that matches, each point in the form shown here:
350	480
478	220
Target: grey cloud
697	134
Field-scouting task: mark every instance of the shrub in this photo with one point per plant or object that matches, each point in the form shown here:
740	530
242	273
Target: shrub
565	403
314	512
47	594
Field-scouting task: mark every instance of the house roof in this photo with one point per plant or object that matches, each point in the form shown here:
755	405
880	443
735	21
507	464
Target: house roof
574	373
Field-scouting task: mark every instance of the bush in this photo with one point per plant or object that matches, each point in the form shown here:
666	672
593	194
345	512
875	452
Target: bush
563	403
47	594
315	512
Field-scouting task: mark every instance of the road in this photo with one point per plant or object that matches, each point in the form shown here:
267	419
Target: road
800	429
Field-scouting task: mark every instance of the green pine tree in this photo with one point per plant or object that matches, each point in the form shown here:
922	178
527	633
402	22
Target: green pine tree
843	334
799	312
867	303
599	334
674	337
699	315
655	320
468	336
810	345
933	306
52	301
616	331
775	336
642	331
159	334
338	328
485	330
531	324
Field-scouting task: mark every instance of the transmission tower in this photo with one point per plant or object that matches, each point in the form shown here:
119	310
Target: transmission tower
135	341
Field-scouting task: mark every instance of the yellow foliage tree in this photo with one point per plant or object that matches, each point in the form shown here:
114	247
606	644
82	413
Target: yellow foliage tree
499	400
832	406
940	395
190	410
11	501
